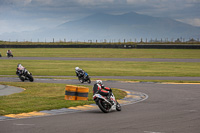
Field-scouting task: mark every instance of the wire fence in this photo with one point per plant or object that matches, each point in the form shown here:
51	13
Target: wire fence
106	41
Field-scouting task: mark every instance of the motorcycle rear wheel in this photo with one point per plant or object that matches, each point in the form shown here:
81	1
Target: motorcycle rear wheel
21	78
105	107
89	81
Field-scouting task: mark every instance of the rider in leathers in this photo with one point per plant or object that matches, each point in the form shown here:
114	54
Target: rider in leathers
20	69
79	72
104	91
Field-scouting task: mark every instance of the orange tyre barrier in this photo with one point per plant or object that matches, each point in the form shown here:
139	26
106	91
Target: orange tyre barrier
76	92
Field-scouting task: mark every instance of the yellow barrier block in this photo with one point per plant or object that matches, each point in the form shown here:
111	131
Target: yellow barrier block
70	92
76	92
81	89
82	93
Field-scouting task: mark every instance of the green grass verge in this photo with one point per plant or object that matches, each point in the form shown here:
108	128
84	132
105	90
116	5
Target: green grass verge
42	96
104	53
103	68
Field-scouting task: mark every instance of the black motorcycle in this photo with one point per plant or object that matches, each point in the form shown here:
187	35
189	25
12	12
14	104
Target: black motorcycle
25	75
9	55
84	78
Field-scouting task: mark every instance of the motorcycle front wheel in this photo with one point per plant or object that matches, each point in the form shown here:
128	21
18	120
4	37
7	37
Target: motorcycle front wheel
118	107
30	78
104	106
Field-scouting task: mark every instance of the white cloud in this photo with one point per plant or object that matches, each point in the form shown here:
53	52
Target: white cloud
15	26
135	1
54	2
45	2
164	3
194	21
93	2
145	2
15	2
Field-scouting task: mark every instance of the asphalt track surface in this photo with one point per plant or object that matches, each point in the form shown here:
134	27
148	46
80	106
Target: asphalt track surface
104	59
170	108
7	90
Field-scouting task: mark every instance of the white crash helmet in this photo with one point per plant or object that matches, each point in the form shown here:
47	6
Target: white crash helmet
19	65
99	82
77	68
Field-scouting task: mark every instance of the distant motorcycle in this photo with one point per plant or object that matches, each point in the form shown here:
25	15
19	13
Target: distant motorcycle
9	55
24	74
84	78
106	104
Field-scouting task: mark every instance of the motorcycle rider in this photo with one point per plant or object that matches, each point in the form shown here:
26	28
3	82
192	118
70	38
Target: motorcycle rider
79	72
9	52
19	70
104	91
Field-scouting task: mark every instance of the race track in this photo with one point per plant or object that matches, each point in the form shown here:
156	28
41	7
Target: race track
103	59
170	108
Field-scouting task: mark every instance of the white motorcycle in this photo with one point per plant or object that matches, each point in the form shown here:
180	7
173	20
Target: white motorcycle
106	104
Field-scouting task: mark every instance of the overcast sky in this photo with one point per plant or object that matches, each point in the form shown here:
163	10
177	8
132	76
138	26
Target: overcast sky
26	15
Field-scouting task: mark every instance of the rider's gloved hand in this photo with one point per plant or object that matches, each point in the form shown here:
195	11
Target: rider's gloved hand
102	86
109	93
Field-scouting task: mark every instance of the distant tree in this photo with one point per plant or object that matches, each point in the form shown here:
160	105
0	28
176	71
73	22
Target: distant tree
177	40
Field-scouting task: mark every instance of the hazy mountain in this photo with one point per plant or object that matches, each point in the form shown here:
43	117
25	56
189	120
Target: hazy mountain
126	26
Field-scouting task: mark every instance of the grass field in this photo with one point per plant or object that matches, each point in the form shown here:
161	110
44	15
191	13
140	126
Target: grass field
105	53
103	68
